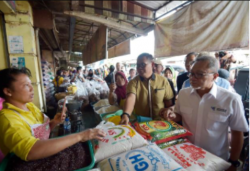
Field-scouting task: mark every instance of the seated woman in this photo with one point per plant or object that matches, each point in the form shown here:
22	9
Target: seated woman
58	80
117	91
25	130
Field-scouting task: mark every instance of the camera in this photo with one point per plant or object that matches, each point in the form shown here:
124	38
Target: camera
221	54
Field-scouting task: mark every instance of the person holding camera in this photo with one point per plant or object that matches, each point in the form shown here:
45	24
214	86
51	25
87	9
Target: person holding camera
225	59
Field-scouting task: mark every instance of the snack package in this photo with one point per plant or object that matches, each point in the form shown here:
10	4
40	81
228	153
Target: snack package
194	158
119	139
173	142
145	158
161	131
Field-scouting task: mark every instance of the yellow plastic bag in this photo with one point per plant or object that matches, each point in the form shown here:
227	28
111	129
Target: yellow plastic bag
115	119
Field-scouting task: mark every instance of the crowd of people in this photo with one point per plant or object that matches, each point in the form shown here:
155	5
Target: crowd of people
200	99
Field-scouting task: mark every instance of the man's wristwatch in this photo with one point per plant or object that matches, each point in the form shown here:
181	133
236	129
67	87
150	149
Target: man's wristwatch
235	163
125	114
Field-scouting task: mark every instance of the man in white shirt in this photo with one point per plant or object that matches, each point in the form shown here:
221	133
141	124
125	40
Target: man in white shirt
208	110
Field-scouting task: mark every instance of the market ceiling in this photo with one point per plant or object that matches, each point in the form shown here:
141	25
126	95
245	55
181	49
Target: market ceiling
75	22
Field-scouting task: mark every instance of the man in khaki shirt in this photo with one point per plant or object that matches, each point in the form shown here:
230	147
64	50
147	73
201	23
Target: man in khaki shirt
148	94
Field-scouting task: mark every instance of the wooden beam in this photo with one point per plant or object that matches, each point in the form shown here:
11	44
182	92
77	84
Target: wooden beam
106	22
45	41
71	32
119	12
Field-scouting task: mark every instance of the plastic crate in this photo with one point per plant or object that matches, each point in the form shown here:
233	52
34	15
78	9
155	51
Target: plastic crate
4	163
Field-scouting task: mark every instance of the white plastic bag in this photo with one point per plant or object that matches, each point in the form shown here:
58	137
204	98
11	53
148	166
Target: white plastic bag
82	93
119	139
107	109
194	158
145	158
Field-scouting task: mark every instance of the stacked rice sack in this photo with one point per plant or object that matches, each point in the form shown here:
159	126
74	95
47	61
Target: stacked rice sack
195	158
162	131
125	149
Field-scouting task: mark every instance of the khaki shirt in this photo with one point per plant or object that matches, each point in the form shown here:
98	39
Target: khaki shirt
160	91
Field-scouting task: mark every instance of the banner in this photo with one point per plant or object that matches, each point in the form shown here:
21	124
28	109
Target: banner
203	26
120	49
96	49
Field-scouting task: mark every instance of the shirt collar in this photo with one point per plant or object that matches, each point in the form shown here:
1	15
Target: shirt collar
12	107
217	79
152	77
213	90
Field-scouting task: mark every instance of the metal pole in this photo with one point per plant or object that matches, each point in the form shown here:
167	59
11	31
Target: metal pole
189	2
5	41
40	67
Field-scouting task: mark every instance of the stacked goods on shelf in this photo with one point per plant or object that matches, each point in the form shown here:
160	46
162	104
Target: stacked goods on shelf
48	77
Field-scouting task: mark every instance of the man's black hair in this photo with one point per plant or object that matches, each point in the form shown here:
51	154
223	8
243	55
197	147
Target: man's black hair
78	68
131	69
147	55
111	68
190	54
8	76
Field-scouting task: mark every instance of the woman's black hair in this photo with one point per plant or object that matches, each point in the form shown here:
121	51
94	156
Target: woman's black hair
8	76
168	69
58	72
78	68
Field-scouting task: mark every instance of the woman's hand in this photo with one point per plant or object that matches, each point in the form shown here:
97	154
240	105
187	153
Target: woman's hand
112	87
124	120
59	118
90	134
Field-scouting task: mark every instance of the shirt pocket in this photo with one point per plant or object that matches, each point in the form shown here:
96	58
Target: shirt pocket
186	113
217	122
158	94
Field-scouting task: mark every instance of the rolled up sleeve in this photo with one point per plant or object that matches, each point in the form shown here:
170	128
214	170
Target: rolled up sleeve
131	87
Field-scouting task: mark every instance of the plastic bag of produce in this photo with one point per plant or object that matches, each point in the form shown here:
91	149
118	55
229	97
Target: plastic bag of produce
101	103
194	158
81	93
119	139
107	109
173	142
145	158
161	131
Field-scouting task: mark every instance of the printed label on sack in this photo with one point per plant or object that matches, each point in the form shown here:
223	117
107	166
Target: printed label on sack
192	157
117	134
147	158
152	126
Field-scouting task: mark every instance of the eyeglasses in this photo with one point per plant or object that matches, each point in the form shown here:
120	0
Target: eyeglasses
198	75
189	63
141	65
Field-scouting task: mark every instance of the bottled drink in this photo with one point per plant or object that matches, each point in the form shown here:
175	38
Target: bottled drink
67	126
